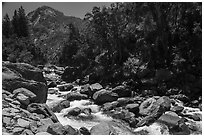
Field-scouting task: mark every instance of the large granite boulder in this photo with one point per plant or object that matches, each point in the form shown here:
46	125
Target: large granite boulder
103	96
21	75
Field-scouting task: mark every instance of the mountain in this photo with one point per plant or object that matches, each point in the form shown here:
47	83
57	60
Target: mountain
49	29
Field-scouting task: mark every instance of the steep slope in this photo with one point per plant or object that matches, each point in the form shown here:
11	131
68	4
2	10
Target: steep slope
50	29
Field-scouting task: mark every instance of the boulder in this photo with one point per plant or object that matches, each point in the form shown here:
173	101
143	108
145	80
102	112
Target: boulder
26	92
74	112
56	129
85	89
23	123
26	71
69	130
44	124
124	101
170	118
14	78
75	96
122	91
165	102
24	100
84	131
70	74
134	108
57	107
95	87
42	109
110	105
177	109
103	96
147	107
52	84
53	90
102	129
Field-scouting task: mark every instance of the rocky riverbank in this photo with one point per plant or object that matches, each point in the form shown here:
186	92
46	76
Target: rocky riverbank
37	101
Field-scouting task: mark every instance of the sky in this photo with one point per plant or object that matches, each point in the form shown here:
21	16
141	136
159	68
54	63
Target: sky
77	9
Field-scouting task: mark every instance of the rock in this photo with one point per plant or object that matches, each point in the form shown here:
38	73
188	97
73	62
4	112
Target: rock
134	108
27	132
177	109
17	130
165	102
26	92
124	101
60	105
12	80
75	96
34	127
56	129
110	105
103	96
6	121
147	107
85	89
84	131
87	111
65	87
6	92
169	118
69	130
74	112
24	100
45	123
102	129
42	109
122	91
23	123
27	71
53	90
95	87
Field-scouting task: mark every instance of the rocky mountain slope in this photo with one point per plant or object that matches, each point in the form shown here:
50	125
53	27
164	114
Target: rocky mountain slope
50	29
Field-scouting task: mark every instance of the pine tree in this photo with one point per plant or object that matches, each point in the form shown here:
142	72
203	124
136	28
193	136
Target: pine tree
15	22
6	26
23	23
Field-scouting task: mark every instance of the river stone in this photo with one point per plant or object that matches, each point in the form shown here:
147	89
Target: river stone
164	102
53	90
110	105
95	87
57	107
102	129
26	92
44	124
84	131
56	129
23	123
87	111
170	118
134	108
103	96
24	100
6	121
27	132
75	111
69	130
122	91
17	130
147	107
75	96
177	109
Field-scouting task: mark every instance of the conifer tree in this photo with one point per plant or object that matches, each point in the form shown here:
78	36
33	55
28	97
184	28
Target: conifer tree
15	23
23	23
6	26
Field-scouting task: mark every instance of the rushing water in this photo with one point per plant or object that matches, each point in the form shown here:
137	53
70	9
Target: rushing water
88	121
